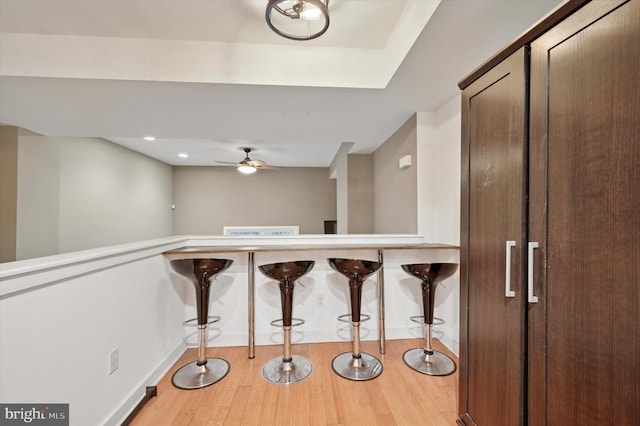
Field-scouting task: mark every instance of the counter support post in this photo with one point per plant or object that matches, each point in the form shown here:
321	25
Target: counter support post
252	310
381	302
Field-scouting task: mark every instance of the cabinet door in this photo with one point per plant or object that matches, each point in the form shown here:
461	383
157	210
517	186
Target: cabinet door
493	152
584	331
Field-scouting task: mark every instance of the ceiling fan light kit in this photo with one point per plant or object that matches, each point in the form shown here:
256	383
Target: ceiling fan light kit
248	166
298	19
246	169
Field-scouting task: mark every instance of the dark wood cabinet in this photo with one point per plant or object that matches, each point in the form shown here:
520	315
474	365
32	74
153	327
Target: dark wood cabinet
550	238
494	121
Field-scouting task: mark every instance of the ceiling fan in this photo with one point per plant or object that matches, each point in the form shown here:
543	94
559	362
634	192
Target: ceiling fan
247	165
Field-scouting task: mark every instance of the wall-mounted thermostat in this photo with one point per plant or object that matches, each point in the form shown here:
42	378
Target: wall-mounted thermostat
405	162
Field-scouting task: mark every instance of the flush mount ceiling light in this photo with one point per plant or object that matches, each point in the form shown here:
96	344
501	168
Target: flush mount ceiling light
298	19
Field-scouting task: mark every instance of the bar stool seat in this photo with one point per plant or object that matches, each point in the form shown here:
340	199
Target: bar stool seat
288	369
205	371
426	360
356	365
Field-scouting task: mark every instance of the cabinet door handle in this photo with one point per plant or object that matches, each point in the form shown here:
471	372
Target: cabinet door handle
507	276
531	247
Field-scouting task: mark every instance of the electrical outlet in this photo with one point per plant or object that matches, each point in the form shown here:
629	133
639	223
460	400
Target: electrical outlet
320	301
114	360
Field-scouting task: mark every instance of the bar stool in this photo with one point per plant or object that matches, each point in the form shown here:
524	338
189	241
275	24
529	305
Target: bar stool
426	360
204	371
287	369
356	365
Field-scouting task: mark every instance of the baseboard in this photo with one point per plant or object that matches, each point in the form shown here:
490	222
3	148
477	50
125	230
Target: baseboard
129	404
451	344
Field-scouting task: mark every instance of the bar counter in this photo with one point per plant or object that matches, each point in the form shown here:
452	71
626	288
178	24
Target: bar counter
212	247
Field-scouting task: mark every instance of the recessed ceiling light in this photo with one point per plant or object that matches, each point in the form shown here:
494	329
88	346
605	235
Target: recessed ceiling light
149	138
183	155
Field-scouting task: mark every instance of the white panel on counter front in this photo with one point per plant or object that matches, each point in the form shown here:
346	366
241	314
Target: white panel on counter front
261	230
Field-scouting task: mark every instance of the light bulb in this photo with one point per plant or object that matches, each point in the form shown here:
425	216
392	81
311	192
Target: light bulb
247	170
310	12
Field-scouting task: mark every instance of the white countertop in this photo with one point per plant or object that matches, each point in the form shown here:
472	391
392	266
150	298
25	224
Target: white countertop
24	274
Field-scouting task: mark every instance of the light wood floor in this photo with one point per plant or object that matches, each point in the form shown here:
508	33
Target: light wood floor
399	396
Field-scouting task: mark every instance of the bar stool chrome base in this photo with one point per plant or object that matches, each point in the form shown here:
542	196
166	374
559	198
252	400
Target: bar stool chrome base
194	376
432	363
366	367
279	372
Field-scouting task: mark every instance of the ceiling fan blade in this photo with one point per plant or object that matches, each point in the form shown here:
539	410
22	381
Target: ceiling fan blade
247	161
256	163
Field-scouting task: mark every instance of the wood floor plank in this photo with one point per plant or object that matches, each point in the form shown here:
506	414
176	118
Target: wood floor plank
238	405
399	396
317	411
269	406
284	413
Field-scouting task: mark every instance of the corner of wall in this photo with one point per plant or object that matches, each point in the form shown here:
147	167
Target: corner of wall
439	175
395	208
338	168
8	191
360	194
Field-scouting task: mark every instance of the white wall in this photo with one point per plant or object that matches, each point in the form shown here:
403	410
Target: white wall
111	195
56	339
8	191
209	198
395	189
338	171
439	173
38	206
80	193
360	193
